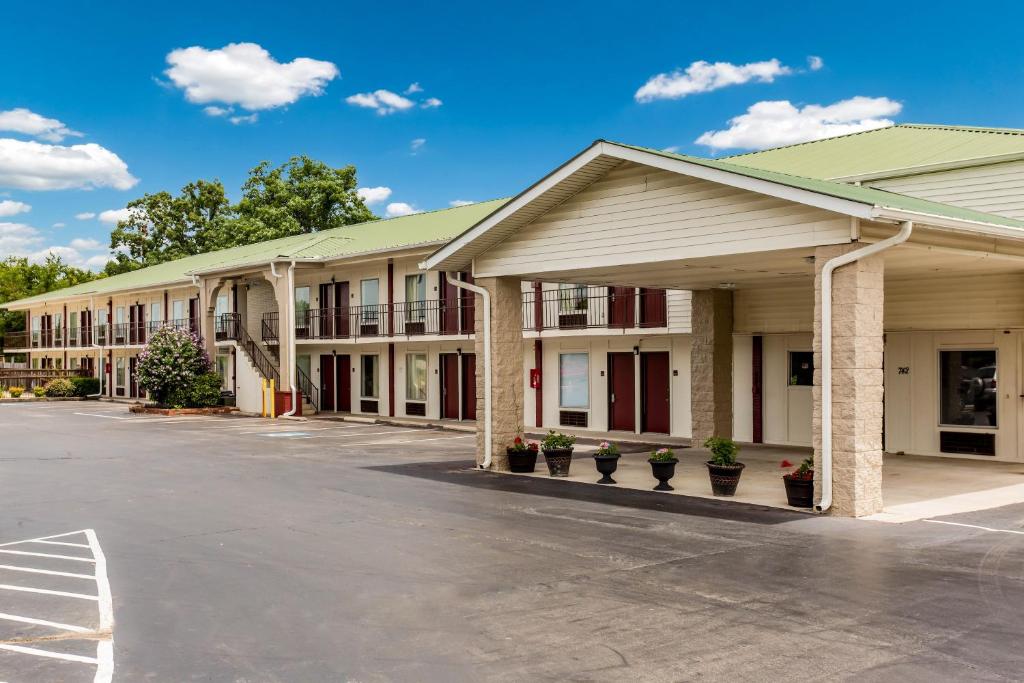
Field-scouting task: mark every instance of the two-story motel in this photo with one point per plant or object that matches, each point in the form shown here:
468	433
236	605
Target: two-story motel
634	291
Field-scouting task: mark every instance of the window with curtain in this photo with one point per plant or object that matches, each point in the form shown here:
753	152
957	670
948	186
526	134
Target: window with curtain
415	296
574	380
416	377
572	298
368	378
369	299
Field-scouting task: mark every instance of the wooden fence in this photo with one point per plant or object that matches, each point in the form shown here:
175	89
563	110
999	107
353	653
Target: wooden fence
28	378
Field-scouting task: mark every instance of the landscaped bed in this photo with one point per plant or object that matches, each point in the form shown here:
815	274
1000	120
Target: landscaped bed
157	410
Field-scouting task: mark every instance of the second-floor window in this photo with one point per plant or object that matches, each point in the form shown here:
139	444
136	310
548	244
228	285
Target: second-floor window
415	296
155	313
369	299
178	309
572	298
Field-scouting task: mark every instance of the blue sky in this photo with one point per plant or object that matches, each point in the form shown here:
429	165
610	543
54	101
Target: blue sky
521	87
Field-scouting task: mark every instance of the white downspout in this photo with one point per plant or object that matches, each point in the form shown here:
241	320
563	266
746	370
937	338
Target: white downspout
487	361
291	336
906	228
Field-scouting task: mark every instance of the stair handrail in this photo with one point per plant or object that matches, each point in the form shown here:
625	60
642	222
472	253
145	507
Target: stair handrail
264	365
308	389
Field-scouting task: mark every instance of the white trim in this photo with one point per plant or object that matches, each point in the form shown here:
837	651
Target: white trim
46	653
925	169
943	222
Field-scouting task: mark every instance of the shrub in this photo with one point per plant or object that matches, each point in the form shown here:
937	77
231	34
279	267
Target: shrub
557	441
170	366
205	391
16	392
662	455
59	387
86	386
39	390
723	451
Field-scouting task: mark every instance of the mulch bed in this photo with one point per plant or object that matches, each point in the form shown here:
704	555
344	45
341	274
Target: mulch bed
153	410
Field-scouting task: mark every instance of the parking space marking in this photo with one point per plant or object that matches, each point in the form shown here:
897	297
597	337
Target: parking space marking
49	555
48	572
65	543
396	443
44	622
975	526
109	417
47	591
40	539
48	653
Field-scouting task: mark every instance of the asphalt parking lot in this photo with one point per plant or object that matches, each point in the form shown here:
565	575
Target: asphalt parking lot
244	549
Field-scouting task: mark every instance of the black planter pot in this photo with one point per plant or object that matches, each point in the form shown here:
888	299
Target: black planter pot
799	492
521	462
606	466
724	478
558	460
663	470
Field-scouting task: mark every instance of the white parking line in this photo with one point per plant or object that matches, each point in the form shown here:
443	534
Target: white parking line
49	572
109	417
44	622
975	526
47	591
51	556
65	543
47	653
396	443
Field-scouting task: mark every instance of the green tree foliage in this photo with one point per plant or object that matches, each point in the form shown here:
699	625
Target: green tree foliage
300	196
171	365
164	227
20	279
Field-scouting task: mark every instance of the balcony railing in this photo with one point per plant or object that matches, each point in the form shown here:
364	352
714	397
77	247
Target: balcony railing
584	307
403	319
101	334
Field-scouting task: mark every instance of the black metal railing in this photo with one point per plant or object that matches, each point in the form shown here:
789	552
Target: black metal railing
100	334
269	330
16	340
405	319
582	307
230	326
309	390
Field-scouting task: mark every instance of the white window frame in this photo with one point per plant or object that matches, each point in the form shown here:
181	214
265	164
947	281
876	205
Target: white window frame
561	356
409	357
376	378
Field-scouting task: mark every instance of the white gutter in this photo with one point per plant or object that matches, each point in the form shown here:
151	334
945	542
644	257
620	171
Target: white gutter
826	350
487	361
291	334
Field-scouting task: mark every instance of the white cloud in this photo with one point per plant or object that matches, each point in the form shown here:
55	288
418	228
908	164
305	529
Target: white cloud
814	62
60	225
214	110
395	209
86	244
30	123
460	202
374	195
674	149
704	76
9	207
251	118
31	165
775	123
115	215
19	239
247	75
417	144
431	102
383	101
85	215
413	89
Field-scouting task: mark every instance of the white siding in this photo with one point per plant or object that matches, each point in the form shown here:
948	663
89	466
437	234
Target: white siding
967	302
679	304
636	214
767	310
996	188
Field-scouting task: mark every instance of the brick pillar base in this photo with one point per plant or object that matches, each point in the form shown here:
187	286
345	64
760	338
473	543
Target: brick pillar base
711	365
506	367
857	327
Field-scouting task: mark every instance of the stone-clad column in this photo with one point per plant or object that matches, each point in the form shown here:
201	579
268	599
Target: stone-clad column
711	365
506	367
857	327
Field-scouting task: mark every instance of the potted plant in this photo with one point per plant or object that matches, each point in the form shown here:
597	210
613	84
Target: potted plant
800	483
663	467
557	449
522	456
606	458
722	467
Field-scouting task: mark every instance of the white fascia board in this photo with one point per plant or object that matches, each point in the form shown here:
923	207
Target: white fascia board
946	223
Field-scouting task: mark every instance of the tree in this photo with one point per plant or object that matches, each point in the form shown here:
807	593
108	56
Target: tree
20	279
175	369
300	196
164	227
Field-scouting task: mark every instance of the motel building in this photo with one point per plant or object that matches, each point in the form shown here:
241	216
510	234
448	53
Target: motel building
636	293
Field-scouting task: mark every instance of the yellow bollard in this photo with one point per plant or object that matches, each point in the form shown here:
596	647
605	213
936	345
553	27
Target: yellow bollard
273	400
263	398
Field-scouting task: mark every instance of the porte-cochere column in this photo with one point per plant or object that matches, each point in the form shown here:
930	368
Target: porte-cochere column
858	291
506	367
711	365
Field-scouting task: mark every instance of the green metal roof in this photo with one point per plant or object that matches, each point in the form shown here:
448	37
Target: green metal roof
351	240
854	193
887	151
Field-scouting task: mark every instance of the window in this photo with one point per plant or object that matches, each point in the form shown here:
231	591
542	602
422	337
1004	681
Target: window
415	296
35	363
119	315
36	328
967	387
178	309
73	327
301	305
119	365
304	363
223	363
369	299
368	383
416	377
221	307
801	368
59	363
155	313
74	363
58	327
574	380
572	298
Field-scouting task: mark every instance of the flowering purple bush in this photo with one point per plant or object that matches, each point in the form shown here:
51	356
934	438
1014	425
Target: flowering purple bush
171	365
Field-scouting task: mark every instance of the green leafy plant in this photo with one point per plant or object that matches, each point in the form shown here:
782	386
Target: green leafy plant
170	367
556	441
662	455
59	387
86	386
803	472
607	448
723	451
15	392
520	446
39	391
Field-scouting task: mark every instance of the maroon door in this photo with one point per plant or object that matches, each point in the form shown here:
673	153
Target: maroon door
131	325
46	329
326	381
467	305
621	392
654	385
653	311
621	306
449	306
86	332
323	321
344	367
341	320
450	386
468	386
757	389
